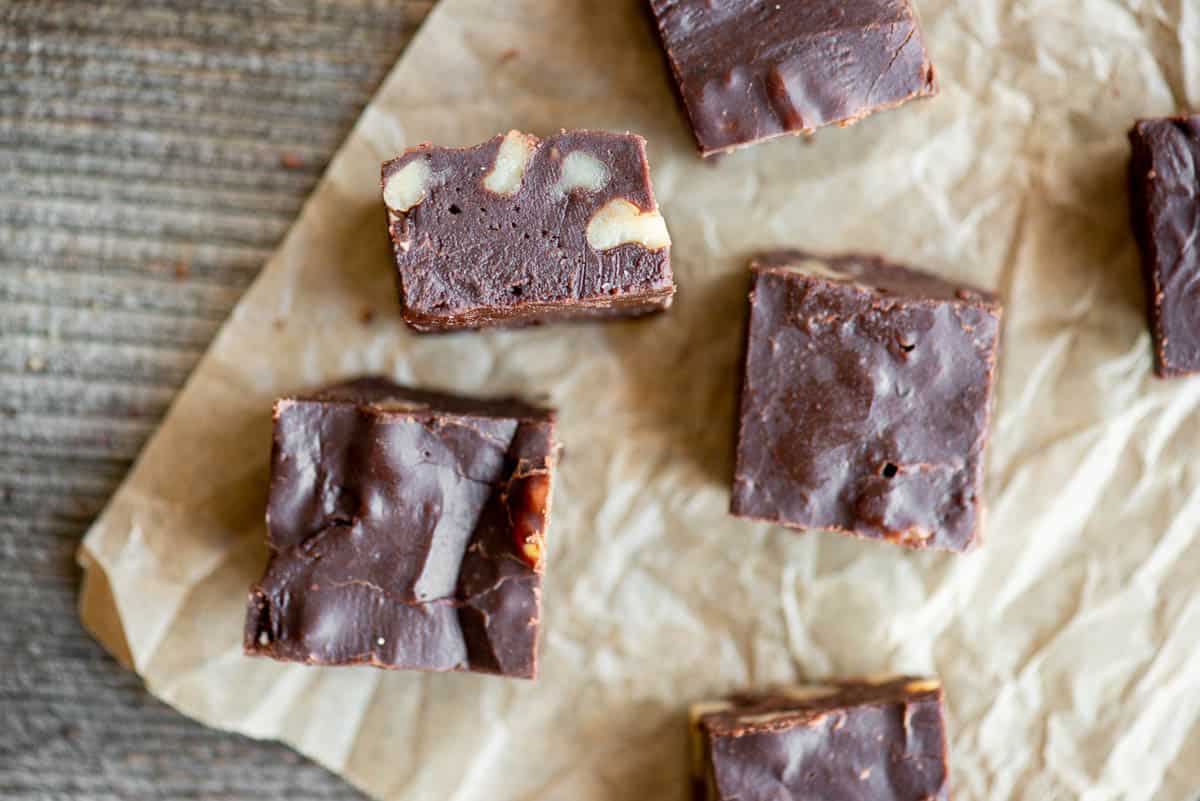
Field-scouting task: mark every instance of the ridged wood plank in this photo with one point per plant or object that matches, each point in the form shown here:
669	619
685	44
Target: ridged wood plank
152	155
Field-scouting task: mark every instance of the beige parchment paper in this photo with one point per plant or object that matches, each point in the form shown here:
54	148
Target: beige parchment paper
1069	643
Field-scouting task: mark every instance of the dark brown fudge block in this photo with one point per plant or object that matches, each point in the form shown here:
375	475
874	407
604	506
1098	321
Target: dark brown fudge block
865	400
750	70
406	530
842	741
1164	191
523	230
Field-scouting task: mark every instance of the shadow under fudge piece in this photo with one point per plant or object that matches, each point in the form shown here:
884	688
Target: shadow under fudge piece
751	70
841	741
1164	183
522	230
865	400
406	530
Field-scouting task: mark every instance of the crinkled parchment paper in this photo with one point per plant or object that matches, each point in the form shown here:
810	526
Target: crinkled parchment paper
1069	643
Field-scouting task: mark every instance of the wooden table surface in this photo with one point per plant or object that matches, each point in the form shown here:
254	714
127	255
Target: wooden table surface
152	154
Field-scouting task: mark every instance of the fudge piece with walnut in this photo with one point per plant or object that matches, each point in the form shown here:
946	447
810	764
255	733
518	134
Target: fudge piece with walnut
523	230
406	530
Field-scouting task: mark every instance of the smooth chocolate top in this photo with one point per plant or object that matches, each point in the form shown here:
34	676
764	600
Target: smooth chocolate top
862	742
869	273
406	530
749	70
865	400
521	229
1165	206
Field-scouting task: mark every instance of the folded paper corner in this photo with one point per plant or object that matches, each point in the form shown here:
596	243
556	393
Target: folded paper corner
98	609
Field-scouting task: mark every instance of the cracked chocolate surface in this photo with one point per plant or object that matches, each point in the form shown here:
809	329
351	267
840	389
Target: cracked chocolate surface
749	70
1164	184
473	251
865	400
406	530
861	741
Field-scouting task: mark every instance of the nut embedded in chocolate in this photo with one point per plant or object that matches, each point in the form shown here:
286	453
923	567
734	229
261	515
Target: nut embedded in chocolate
522	230
528	500
856	740
750	70
406	530
1165	210
865	400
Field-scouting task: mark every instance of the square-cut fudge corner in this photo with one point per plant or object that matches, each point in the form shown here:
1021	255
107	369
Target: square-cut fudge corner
750	70
865	401
406	530
522	230
1164	204
857	740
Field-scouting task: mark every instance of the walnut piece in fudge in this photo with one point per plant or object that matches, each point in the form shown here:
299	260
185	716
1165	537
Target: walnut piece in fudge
865	400
406	530
1164	194
859	740
523	230
750	70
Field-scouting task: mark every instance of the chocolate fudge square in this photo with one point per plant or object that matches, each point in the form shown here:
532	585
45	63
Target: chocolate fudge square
842	741
865	400
750	70
522	230
406	530
1164	193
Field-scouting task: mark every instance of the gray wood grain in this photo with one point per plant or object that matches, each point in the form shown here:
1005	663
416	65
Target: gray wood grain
152	154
